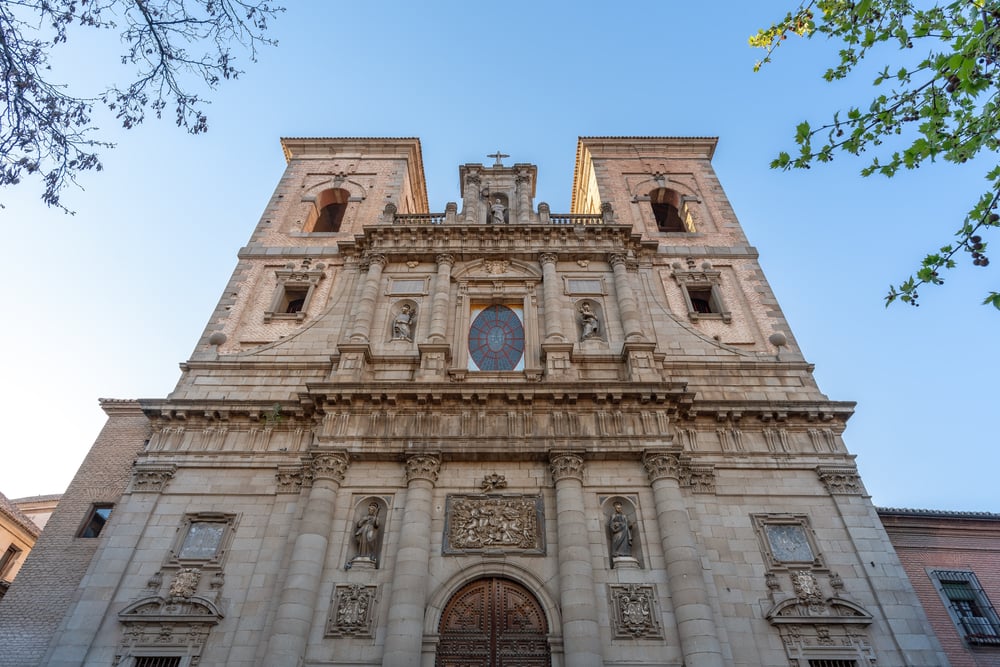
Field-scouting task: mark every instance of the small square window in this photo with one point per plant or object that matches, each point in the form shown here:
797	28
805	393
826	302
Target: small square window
969	607
98	516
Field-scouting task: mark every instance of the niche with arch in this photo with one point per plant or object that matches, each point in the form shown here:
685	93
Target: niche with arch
624	542
590	321
368	531
402	322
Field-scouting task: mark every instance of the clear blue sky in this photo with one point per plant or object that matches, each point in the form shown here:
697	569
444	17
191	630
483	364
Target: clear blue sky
109	301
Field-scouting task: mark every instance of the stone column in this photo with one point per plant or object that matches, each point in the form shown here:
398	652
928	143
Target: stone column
404	635
442	292
695	623
581	631
550	294
297	604
366	304
626	297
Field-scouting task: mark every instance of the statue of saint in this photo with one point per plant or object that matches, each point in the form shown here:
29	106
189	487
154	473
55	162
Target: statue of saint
621	533
591	325
366	534
498	210
402	325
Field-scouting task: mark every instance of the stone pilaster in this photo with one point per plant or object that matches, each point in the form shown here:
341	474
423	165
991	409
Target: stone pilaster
626	298
695	623
297	604
581	631
366	304
404	634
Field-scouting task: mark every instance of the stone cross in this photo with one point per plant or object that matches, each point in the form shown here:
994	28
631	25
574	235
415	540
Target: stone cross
498	155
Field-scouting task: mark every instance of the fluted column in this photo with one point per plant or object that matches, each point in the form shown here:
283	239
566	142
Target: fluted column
442	292
550	294
581	632
695	623
297	604
366	304
404	635
626	297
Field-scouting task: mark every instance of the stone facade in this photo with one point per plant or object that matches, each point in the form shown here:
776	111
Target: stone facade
953	560
492	434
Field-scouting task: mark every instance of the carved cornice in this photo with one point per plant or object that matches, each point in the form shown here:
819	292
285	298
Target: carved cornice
329	465
840	480
423	466
566	465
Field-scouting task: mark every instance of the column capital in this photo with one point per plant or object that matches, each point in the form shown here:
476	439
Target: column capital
445	258
376	258
423	466
662	463
329	465
565	465
548	258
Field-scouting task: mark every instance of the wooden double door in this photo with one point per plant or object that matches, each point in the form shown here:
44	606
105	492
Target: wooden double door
493	622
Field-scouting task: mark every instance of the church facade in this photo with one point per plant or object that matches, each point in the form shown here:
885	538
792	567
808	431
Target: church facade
496	435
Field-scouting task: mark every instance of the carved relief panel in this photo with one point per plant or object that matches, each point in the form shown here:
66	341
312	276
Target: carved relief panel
494	523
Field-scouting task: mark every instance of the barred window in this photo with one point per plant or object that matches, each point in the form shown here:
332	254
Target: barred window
157	661
969	607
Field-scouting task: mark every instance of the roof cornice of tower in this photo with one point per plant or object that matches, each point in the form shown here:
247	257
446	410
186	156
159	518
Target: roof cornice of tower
663	146
330	147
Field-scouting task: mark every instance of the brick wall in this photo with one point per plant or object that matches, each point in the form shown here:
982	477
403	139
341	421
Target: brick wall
32	610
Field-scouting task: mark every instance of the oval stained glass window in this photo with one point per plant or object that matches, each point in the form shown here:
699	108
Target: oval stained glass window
496	339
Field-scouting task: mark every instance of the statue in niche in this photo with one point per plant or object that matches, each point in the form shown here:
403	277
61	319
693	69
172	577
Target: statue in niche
591	325
366	534
402	325
621	533
497	211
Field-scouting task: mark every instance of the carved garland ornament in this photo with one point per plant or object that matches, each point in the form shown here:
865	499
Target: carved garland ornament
151	478
566	466
329	465
423	466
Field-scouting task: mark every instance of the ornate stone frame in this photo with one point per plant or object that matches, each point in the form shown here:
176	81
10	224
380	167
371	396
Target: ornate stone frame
635	611
536	516
228	521
703	278
352	611
761	522
303	280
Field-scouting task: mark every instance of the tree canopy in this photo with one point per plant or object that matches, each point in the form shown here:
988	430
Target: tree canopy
936	99
174	50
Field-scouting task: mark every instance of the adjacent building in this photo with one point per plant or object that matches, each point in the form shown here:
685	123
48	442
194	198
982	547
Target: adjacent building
953	561
489	435
17	537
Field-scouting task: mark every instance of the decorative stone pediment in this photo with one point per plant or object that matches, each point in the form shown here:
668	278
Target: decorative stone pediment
153	624
498	268
830	611
158	609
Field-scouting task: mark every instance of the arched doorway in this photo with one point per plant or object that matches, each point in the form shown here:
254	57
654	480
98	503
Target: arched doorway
493	622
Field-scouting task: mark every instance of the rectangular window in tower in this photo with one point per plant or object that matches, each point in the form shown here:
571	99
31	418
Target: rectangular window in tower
96	518
157	661
969	607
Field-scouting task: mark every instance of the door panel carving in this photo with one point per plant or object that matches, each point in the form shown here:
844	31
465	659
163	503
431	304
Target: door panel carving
493	623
